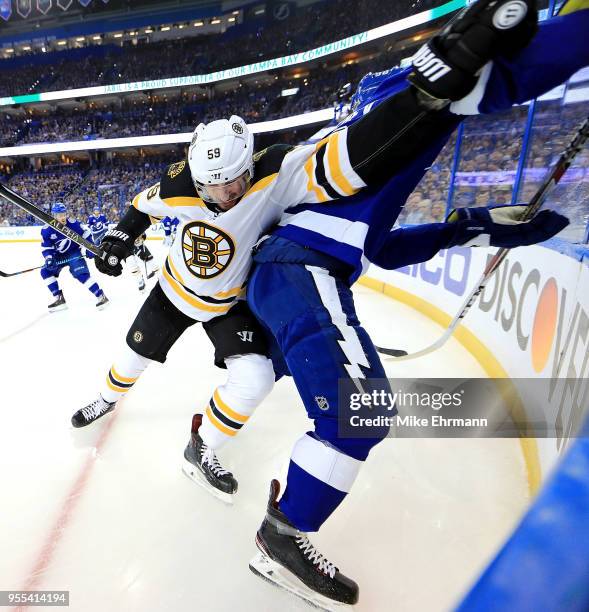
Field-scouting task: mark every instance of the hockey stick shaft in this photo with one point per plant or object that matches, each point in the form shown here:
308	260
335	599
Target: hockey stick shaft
40	214
59	263
552	179
8	274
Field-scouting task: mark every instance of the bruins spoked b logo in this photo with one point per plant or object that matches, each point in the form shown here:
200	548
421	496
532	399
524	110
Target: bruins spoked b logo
207	250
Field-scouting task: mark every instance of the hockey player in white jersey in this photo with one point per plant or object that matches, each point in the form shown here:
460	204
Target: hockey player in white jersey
201	281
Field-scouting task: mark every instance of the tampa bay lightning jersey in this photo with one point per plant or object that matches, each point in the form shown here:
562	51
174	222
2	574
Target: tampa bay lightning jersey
356	229
170	224
97	225
60	246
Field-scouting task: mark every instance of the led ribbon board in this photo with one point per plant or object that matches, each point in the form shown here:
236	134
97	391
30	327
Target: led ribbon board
241	71
320	116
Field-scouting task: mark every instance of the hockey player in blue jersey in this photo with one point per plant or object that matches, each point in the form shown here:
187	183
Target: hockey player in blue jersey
97	225
170	226
300	287
59	252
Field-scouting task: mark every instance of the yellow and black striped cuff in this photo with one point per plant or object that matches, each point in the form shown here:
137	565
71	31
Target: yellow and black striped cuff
224	418
119	383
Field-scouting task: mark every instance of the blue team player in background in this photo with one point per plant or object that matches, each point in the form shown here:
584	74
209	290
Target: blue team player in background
97	225
59	252
170	226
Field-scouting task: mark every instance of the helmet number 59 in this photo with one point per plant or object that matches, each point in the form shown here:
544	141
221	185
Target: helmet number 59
214	153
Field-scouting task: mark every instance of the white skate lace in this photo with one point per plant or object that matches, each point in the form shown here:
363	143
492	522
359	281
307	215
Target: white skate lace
209	458
94	410
315	556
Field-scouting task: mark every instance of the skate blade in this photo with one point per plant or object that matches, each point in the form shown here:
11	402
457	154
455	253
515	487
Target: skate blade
194	474
58	308
102	306
267	569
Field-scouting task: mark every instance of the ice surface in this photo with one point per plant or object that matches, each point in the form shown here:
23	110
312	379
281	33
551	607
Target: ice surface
106	513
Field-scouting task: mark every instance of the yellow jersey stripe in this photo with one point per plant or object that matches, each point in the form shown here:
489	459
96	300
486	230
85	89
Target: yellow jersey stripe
321	143
189	299
222	406
122	379
311	186
229	293
335	167
213	419
261	184
136	201
183	201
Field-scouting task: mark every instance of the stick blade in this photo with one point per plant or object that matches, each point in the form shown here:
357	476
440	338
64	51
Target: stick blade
391	352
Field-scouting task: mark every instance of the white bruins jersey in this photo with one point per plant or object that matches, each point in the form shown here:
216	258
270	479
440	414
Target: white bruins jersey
208	264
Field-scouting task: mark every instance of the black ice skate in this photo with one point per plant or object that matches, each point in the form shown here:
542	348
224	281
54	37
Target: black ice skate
152	273
141	285
202	466
102	302
59	303
91	412
289	560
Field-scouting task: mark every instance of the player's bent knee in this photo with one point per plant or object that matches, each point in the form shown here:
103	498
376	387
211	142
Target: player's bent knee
251	375
133	360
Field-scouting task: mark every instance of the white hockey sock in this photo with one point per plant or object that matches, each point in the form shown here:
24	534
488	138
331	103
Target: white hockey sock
125	371
250	379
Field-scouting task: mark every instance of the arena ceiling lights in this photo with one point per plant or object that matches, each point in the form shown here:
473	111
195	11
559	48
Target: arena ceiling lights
241	71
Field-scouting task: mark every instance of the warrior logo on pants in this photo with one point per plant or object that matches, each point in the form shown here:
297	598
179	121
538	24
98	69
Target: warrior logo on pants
207	250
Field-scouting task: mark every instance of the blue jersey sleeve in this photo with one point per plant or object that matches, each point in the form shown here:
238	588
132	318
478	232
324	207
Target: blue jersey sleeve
558	51
47	244
414	244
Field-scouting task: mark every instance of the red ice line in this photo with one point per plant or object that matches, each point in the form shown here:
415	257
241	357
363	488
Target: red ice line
67	509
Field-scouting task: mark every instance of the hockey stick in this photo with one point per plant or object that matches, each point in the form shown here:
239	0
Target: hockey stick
40	214
57	263
538	199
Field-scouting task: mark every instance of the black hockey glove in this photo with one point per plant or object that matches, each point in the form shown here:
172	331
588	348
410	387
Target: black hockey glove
117	246
500	226
446	67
